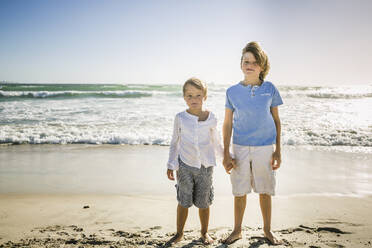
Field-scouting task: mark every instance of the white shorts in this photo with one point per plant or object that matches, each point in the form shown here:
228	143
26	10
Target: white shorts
253	170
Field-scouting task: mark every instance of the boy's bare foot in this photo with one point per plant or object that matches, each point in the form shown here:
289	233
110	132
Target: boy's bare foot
206	239
234	236
175	239
272	239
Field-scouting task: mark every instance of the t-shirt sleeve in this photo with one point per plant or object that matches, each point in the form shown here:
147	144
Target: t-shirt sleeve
228	103
277	99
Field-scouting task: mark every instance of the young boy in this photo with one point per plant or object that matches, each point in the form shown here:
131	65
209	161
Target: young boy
252	116
192	155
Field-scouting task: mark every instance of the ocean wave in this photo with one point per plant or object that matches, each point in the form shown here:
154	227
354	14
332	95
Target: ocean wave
72	94
331	138
95	135
339	95
146	115
63	140
90	87
342	92
327	92
324	95
97	90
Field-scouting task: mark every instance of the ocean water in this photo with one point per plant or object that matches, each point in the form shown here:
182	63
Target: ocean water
333	118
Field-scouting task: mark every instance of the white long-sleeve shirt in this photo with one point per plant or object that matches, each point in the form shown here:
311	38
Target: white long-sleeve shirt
195	142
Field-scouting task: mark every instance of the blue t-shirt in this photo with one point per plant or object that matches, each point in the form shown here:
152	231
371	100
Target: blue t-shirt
253	124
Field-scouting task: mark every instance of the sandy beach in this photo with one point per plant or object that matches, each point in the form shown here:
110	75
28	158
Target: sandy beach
94	92
99	196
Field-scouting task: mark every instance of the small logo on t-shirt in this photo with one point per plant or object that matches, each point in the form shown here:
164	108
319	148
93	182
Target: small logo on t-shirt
265	94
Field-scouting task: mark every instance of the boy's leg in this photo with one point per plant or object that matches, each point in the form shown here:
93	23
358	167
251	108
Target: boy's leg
264	184
239	208
181	218
184	198
204	221
241	185
182	214
203	198
265	204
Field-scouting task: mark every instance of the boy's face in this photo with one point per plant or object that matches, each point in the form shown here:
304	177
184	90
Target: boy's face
250	67
194	97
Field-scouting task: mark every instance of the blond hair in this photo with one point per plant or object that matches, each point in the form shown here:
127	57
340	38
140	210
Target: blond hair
197	83
260	56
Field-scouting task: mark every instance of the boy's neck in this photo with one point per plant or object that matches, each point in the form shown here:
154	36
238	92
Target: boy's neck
252	82
196	112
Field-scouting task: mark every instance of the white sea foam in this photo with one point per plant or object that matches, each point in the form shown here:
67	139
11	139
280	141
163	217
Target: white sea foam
49	94
145	115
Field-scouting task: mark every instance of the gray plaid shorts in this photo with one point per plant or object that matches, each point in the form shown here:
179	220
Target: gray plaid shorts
194	186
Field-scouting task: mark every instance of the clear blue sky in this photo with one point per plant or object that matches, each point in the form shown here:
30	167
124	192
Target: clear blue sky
311	42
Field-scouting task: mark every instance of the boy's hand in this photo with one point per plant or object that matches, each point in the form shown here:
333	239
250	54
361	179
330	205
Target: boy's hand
233	163
228	163
170	174
276	160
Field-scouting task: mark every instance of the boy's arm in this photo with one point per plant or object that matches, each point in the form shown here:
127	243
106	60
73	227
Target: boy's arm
217	142
174	146
227	131
276	158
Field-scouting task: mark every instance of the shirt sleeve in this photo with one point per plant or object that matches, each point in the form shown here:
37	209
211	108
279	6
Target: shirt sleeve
277	99
174	146
217	143
228	103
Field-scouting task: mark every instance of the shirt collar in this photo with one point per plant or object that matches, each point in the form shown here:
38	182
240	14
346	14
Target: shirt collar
190	116
249	86
194	117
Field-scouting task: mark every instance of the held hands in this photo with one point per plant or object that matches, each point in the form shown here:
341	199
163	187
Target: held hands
276	160
228	163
